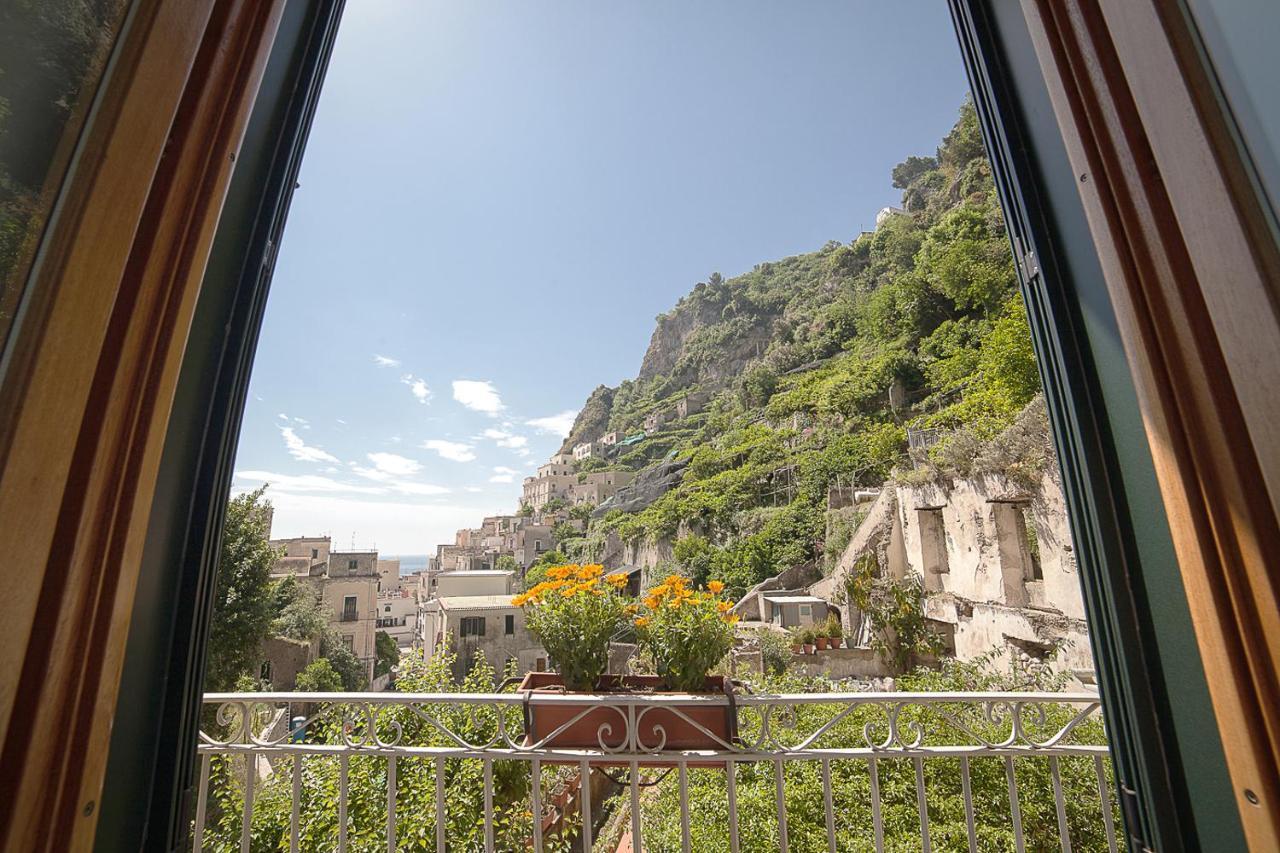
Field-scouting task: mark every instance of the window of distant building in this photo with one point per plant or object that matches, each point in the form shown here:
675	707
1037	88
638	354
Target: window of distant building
349	608
511	624
315	553
351	565
471	626
349	640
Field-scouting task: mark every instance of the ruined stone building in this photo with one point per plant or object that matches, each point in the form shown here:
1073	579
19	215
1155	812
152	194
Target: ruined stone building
993	552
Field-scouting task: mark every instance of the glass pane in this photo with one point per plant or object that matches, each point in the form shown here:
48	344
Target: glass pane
1240	36
52	53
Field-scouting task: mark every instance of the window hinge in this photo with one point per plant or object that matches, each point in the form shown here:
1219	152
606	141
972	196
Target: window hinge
1132	820
1029	265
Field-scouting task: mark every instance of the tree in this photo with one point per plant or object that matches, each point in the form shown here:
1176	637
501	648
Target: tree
910	169
352	670
243	604
507	563
302	614
538	571
555	505
388	653
319	677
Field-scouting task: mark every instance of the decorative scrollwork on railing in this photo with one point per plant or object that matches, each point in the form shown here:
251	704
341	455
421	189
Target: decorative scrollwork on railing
476	724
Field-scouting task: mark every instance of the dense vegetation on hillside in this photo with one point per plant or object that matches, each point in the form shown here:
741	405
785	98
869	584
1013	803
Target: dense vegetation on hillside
800	356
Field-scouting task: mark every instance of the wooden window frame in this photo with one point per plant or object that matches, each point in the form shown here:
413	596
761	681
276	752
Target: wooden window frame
93	400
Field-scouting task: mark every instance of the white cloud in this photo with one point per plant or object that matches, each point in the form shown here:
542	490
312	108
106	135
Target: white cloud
474	489
302	451
417	387
502	469
391	463
301	483
385	361
560	424
395	526
504	438
501	478
455	450
392	481
478	395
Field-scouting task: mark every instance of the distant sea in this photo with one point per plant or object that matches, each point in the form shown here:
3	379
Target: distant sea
409	563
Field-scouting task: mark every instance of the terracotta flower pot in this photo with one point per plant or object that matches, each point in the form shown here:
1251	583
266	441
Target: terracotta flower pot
595	724
797	649
808	648
821	643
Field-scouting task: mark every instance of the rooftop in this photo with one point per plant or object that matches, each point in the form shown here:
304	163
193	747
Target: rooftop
476	602
794	599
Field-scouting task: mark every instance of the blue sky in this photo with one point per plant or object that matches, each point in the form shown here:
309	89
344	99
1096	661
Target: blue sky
498	198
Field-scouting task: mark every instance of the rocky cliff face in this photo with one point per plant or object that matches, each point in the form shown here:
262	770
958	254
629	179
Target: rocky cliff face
592	419
674	329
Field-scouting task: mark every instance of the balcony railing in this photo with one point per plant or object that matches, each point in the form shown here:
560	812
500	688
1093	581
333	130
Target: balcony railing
813	771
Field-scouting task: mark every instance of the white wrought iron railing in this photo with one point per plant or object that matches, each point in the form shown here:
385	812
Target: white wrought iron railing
458	771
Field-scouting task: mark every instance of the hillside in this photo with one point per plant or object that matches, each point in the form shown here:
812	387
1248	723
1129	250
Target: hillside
808	371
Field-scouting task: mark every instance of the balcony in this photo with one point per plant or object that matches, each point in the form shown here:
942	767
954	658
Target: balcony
812	771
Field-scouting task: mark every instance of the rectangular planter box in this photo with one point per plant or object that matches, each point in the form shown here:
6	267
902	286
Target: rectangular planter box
608	727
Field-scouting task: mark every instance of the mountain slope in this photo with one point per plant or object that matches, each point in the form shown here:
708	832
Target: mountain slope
813	366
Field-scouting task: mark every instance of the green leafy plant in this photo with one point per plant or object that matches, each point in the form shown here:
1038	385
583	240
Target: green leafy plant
319	676
685	631
574	614
896	610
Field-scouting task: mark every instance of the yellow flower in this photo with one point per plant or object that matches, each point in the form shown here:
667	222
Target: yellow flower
724	607
617	581
631	609
559	572
519	600
642	621
592	571
715	587
568	591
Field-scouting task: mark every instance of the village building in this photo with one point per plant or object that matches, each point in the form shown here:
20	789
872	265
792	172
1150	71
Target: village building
691	404
654	421
472	614
389	578
347	584
596	487
398	616
585	450
530	541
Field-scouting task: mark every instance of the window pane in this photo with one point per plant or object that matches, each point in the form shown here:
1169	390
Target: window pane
1240	37
51	58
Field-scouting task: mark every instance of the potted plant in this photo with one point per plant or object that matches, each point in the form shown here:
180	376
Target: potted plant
575	613
835	633
820	638
806	639
797	640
